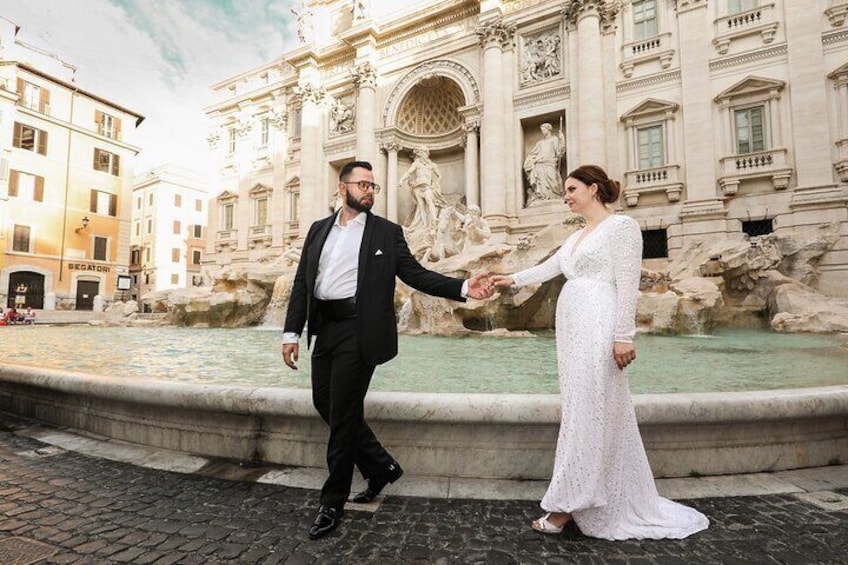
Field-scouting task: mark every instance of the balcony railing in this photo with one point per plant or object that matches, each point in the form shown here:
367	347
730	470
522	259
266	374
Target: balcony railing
227	235
656	179
260	230
645	50
771	163
759	20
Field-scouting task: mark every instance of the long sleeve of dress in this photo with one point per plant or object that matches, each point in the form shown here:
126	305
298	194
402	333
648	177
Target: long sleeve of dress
540	273
627	266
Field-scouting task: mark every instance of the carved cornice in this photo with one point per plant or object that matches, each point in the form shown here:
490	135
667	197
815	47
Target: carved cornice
495	33
308	92
684	5
364	75
648	81
749	57
834	37
533	99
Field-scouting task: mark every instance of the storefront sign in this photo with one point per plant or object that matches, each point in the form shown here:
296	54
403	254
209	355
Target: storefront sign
88	267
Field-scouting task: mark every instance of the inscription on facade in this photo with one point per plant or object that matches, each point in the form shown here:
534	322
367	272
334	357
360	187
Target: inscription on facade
428	37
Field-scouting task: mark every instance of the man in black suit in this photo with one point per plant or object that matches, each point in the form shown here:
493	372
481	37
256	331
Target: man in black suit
344	288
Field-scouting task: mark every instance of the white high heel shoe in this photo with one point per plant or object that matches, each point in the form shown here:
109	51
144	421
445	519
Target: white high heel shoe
544	525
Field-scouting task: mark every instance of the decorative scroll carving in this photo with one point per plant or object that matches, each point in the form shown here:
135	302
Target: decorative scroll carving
540	56
243	126
278	119
308	92
213	138
364	75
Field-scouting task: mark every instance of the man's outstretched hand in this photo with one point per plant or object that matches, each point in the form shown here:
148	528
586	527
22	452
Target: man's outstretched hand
290	354
479	287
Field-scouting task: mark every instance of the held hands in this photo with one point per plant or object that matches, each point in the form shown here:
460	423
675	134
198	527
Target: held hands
623	353
479	287
501	280
290	354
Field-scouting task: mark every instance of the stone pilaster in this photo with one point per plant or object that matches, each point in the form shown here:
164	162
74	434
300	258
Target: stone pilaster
472	163
365	79
512	176
312	192
391	148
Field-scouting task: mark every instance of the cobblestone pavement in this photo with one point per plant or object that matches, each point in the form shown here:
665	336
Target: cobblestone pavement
86	510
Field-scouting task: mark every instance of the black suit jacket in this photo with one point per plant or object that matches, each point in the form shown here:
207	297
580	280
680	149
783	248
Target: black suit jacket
383	256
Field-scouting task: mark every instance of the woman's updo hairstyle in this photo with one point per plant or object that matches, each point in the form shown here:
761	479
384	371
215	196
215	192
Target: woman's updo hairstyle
608	189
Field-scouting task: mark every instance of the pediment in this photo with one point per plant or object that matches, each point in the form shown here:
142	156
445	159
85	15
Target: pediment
292	182
839	72
650	107
751	85
260	189
227	196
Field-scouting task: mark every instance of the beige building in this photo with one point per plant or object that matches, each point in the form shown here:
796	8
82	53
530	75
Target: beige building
721	118
168	238
66	170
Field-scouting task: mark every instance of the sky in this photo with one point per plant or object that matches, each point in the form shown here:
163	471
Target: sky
158	58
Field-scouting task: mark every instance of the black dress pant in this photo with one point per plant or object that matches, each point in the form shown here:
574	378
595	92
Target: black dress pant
340	381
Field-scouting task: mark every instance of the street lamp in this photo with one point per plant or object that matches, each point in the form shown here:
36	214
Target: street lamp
85	221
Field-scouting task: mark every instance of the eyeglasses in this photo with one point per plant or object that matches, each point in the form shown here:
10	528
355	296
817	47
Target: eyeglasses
364	185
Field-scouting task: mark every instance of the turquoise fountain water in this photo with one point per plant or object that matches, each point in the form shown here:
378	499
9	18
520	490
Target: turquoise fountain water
727	361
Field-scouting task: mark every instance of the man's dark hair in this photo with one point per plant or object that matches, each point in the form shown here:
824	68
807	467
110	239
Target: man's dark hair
348	168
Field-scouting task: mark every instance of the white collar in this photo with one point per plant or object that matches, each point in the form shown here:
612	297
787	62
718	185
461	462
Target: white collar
359	218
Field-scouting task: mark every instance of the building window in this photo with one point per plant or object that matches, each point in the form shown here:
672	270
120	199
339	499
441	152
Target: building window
231	141
737	6
135	257
146	278
149	225
195	257
644	19
34	97
198	205
175	279
261	212
264	132
150	199
198	231
756	228
654	244
227	217
175	255
138	203
650	146
26	186
103	203
107	125
177	227
100	248
21	241
196	280
30	138
297	122
138	228
147	255
107	162
749	126
294	209
178	200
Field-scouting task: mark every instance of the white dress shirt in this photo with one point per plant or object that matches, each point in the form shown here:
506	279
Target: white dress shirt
338	266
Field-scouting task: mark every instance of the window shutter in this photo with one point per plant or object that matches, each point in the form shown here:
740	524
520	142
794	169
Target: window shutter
98	119
93	201
116	165
117	122
96	163
113	204
16	141
42	142
19	88
39	189
13	182
44	102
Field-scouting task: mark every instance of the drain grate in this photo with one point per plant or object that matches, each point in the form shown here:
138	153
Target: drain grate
23	551
828	500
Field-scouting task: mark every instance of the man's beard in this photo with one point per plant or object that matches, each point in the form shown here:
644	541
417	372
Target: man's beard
358	205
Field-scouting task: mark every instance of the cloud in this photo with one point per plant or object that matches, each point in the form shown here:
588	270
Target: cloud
157	57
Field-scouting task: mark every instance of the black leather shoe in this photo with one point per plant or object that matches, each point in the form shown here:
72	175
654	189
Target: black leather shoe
377	484
326	521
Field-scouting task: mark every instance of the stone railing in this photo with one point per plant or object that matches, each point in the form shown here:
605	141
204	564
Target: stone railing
654	48
759	20
772	163
657	179
259	235
226	235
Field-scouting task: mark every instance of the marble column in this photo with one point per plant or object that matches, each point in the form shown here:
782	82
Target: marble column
492	173
512	176
313	196
391	148
586	15
365	79
472	163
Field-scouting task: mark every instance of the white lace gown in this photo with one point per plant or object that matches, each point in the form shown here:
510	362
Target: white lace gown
601	474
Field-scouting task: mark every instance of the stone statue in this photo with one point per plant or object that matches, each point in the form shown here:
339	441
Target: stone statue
360	11
542	165
424	181
475	227
448	239
292	254
540	57
341	117
305	29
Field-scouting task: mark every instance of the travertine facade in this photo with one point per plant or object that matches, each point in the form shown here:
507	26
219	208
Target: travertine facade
66	169
720	117
168	237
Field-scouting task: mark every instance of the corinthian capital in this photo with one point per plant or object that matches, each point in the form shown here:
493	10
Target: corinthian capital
605	9
278	119
364	75
495	33
308	92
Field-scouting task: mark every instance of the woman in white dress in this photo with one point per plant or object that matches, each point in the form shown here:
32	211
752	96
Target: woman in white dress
601	477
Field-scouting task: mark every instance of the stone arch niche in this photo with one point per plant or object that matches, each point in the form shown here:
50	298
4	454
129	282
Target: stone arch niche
432	106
